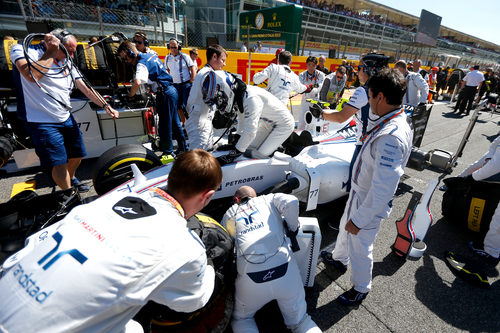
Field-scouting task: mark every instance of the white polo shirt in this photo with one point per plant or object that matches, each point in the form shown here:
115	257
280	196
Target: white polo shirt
41	108
472	79
179	69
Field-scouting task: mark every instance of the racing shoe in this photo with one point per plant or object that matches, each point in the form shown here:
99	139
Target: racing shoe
470	271
479	250
167	158
352	297
328	260
79	186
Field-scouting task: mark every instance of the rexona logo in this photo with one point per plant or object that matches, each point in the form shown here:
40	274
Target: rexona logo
243	181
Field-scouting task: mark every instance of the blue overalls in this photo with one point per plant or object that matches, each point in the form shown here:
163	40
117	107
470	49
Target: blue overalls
166	104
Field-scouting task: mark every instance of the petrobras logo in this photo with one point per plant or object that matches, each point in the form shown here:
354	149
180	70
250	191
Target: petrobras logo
242	181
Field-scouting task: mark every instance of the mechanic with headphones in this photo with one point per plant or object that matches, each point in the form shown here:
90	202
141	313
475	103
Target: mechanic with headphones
47	77
142	43
264	122
183	71
150	69
266	268
199	127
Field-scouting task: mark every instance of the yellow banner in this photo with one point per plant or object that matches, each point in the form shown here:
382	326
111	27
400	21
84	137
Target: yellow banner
475	214
238	62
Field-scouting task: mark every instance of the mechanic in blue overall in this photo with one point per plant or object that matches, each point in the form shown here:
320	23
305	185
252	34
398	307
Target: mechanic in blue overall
150	69
266	268
96	268
380	163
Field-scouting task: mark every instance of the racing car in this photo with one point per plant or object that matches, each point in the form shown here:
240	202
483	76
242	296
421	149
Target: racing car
313	166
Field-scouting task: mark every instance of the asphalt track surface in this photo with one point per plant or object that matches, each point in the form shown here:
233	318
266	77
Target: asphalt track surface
408	295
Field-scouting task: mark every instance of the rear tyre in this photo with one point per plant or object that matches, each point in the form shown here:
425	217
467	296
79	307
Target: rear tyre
113	167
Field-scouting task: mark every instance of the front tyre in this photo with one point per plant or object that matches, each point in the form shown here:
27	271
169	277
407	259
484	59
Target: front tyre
113	166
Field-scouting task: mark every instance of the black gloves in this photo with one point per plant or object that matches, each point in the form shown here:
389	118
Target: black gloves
229	158
226	147
232	141
316	111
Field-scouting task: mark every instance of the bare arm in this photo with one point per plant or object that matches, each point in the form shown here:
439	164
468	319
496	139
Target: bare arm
135	87
193	73
341	116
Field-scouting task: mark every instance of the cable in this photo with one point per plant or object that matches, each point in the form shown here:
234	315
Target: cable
230	123
57	70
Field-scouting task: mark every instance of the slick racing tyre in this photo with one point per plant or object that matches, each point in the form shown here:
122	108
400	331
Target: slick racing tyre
113	167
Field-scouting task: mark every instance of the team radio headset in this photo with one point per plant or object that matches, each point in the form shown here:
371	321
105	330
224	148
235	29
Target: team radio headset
66	65
179	47
145	41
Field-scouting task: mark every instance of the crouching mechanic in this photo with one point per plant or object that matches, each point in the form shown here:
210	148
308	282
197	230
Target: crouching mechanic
150	69
376	172
96	268
198	125
264	260
264	123
281	80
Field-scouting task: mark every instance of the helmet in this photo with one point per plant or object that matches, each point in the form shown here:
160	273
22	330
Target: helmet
374	62
218	89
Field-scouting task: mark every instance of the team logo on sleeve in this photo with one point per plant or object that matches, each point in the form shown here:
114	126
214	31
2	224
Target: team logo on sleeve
133	208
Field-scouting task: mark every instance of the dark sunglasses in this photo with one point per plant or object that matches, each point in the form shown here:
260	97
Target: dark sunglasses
340	77
173	47
138	41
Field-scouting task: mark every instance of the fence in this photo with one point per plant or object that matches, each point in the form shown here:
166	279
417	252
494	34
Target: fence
321	31
87	20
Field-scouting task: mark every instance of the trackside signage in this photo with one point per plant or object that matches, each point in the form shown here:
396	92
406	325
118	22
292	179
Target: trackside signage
279	23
